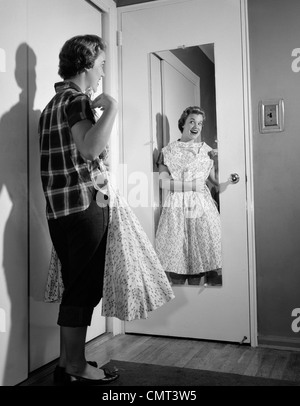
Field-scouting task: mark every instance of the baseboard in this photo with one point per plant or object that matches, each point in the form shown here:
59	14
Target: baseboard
279	342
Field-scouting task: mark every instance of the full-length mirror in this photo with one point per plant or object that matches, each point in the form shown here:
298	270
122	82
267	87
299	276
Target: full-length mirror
185	165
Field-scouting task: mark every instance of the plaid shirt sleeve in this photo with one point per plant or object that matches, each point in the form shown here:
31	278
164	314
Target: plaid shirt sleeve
66	176
79	109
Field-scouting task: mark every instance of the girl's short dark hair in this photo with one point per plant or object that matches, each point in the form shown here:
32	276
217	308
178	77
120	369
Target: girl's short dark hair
186	113
79	53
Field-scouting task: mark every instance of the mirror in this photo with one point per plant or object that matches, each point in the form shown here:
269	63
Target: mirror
187	225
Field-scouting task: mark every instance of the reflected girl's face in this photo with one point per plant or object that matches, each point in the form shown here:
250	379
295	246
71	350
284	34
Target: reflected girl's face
192	127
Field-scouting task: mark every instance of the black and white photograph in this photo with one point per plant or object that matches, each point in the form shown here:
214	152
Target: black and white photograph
149	196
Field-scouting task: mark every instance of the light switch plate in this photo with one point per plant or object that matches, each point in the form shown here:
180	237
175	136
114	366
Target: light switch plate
271	116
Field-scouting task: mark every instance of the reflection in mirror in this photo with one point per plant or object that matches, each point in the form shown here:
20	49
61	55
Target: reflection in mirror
185	162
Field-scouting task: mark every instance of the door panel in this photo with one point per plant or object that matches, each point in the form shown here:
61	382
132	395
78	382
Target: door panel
50	24
218	313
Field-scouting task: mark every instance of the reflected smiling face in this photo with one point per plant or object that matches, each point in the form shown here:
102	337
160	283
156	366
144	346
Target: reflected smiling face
192	127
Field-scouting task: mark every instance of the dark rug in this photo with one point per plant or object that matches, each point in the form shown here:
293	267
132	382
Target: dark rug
139	374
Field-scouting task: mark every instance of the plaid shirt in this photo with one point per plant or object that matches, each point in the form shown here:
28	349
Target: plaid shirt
66	175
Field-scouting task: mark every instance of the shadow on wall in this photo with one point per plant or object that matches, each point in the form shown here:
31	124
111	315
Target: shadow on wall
13	177
18	141
43	329
162	133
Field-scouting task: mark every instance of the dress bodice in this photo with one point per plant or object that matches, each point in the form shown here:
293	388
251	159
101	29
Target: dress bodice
188	161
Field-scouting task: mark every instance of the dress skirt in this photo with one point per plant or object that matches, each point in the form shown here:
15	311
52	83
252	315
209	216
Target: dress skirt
135	282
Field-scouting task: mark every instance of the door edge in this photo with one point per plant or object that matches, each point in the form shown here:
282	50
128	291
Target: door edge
249	174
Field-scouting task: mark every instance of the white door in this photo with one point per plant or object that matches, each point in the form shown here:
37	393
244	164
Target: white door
50	24
218	313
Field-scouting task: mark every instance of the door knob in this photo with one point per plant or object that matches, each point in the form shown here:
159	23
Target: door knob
234	178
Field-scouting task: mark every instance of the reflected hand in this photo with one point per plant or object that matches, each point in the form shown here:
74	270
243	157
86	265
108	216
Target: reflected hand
213	153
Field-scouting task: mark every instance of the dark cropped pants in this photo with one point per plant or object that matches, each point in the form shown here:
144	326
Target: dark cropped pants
80	242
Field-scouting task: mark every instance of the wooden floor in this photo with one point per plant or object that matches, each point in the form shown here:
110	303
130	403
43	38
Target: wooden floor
197	354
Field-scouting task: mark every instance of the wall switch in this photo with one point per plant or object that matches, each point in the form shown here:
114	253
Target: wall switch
271	116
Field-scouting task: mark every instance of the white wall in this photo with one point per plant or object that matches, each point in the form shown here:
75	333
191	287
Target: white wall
13	194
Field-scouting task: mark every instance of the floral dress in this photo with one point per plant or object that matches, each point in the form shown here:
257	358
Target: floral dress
134	280
188	237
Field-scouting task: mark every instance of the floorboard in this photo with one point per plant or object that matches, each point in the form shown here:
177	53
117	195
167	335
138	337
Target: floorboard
196	354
